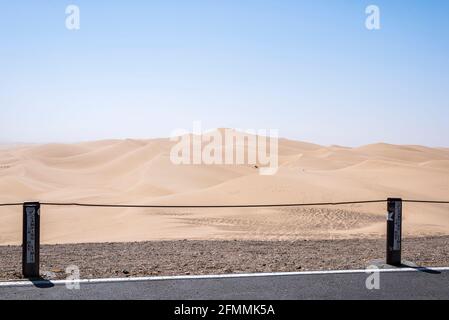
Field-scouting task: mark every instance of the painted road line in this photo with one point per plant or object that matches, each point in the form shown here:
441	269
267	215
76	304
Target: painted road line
219	276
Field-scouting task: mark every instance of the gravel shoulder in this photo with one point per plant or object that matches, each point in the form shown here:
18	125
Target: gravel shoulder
97	260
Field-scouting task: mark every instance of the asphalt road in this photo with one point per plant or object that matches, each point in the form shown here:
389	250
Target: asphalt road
430	284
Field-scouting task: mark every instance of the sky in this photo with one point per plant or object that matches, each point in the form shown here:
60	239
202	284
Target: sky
142	69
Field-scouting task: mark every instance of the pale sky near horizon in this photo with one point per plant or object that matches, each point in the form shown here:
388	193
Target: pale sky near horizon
141	69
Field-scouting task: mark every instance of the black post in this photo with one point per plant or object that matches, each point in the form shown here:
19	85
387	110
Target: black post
394	231
31	239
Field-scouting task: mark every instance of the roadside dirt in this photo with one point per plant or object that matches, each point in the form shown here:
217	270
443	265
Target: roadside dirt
217	257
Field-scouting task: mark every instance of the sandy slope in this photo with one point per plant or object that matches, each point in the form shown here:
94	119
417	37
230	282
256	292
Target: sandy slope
140	171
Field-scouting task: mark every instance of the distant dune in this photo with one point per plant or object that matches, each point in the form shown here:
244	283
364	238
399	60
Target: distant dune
140	171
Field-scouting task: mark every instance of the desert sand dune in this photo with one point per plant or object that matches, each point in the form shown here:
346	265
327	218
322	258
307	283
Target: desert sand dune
140	171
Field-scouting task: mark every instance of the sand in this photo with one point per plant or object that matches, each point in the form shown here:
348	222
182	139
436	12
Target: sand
140	172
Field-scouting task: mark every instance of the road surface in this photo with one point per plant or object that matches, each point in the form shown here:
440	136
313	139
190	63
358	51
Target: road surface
394	284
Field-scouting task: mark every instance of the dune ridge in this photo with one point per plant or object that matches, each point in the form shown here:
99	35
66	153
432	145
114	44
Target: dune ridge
140	171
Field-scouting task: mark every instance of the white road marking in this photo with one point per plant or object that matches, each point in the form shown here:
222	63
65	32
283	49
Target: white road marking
218	276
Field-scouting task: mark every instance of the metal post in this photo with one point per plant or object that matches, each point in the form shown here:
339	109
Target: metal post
394	231
31	239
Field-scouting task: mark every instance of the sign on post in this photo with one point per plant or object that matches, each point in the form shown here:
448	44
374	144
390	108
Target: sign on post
394	231
31	239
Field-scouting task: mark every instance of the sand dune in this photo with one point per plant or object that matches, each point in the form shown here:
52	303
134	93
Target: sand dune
140	171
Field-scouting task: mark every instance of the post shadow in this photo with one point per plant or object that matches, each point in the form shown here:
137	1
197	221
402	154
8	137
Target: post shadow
41	283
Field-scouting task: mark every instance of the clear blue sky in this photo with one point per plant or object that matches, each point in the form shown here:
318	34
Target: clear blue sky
140	69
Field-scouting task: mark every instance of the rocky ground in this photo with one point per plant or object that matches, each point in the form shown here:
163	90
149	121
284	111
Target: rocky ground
217	257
